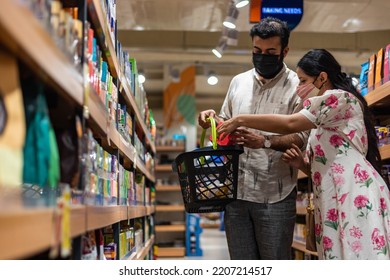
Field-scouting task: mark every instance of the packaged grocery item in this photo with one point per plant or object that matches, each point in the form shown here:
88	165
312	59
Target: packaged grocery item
386	65
371	72
12	123
379	68
364	78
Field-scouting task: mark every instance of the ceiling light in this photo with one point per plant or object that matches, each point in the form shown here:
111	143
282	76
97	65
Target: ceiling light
230	20
141	77
232	37
212	79
217	52
222	45
241	3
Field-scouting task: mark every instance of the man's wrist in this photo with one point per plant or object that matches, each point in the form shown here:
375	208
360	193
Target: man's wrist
267	142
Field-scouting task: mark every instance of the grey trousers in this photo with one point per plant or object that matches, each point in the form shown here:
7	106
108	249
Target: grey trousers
260	231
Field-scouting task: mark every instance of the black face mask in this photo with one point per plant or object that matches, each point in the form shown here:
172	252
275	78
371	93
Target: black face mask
267	65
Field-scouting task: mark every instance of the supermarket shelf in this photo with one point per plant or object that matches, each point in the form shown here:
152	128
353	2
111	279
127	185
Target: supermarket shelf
171	252
126	149
379	97
169	208
25	232
163	168
102	33
180	148
141	167
129	97
151	209
102	216
38	223
385	151
168	188
98	116
141	254
136	212
33	45
301	246
170	228
78	220
99	122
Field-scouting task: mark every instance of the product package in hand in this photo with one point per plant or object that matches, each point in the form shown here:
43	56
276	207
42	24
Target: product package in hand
222	140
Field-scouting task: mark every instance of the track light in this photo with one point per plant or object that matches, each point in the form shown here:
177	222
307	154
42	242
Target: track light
230	20
241	3
222	45
141	77
212	79
232	37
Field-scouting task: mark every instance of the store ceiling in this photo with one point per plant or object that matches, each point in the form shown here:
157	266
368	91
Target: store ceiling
166	34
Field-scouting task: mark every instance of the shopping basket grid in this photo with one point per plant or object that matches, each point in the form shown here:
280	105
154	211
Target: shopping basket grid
208	177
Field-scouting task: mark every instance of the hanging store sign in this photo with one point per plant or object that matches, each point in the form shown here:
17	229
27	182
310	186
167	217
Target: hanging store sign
290	11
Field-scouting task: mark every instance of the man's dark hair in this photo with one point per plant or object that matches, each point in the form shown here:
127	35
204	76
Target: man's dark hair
271	27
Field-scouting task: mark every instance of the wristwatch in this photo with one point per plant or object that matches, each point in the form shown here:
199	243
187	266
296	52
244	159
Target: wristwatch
267	142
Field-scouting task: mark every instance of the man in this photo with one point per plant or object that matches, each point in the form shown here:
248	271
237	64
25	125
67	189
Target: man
260	223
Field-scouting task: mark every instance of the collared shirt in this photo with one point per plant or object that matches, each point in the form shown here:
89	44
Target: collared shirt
263	176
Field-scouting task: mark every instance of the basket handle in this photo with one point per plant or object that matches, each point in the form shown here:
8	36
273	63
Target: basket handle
213	134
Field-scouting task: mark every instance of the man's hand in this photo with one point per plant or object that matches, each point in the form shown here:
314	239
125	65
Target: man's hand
247	138
202	118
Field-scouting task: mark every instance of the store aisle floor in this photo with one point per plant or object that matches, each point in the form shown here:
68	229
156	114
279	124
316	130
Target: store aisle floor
214	245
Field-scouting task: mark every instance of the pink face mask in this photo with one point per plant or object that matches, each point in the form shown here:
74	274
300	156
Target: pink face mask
307	91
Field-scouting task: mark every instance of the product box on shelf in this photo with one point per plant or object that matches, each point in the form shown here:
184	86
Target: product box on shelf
386	65
131	189
363	78
140	189
110	251
114	181
379	68
134	75
123	182
371	72
138	239
382	133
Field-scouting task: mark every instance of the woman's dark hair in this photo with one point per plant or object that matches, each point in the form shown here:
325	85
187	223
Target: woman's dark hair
271	27
320	60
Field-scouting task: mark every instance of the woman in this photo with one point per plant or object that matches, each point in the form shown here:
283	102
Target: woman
351	198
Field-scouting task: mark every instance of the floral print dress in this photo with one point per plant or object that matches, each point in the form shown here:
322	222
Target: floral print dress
351	199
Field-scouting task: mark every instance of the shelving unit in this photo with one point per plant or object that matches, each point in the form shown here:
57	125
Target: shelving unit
170	208
25	232
35	47
379	98
141	254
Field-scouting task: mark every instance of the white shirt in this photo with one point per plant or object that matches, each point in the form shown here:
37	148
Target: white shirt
263	176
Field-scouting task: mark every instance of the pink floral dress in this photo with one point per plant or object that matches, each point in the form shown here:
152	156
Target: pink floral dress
351	199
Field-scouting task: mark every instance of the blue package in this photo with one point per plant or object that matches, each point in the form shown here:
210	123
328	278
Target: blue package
364	78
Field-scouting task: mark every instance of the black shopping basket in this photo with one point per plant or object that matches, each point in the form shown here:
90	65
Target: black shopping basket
208	175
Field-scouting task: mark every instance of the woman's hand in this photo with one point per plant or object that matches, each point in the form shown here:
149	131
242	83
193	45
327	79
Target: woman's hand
227	127
294	157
